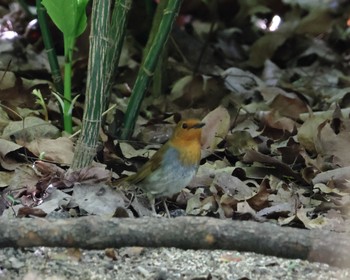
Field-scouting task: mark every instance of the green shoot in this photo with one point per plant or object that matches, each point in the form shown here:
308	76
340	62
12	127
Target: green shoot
42	156
40	101
62	104
70	17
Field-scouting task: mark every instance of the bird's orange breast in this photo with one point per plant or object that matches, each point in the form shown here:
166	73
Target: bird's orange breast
189	151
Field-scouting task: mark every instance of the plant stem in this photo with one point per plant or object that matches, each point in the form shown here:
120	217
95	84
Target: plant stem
49	47
106	40
116	33
67	112
147	68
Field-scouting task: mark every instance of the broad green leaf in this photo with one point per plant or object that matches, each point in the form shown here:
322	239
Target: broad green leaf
68	15
63	14
81	17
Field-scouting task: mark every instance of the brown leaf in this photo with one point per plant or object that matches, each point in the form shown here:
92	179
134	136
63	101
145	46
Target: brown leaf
307	133
287	104
260	199
217	124
29	129
232	186
274	120
196	205
14	92
340	178
43	168
5	178
130	152
239	142
24	178
206	173
87	175
60	150
98	199
244	207
242	83
6	148
8	80
228	204
310	223
334	146
282	168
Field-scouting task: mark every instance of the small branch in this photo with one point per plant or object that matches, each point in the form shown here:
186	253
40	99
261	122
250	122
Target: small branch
184	232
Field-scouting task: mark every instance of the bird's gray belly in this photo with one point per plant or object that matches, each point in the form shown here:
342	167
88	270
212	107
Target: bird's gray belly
171	178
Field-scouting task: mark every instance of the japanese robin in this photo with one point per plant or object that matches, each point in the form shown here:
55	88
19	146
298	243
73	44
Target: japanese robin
174	165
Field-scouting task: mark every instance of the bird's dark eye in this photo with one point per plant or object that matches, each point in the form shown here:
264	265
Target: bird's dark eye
184	125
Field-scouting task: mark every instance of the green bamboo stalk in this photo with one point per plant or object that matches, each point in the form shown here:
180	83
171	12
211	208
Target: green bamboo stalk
68	62
49	47
87	143
158	77
107	33
117	33
148	66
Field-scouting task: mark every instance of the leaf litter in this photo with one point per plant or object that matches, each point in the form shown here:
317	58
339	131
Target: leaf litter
275	144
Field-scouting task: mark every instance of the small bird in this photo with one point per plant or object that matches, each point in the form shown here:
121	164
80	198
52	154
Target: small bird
173	166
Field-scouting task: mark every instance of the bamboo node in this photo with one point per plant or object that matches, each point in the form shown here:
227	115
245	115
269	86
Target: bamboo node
148	72
91	120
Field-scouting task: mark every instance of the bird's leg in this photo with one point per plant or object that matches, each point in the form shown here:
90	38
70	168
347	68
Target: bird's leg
133	195
152	201
153	205
166	208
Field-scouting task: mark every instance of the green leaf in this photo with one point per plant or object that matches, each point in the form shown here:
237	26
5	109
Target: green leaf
59	99
68	15
81	17
62	13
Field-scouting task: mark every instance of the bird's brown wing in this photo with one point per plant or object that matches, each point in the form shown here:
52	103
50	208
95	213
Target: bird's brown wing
151	165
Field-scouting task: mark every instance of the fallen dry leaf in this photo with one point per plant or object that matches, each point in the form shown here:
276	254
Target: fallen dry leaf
332	146
217	124
340	177
29	129
274	120
260	199
6	148
60	150
98	199
281	167
287	104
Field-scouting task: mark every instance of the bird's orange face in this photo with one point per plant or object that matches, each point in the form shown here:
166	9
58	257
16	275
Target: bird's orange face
188	130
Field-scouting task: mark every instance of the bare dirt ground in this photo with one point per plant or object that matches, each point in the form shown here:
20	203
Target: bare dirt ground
162	263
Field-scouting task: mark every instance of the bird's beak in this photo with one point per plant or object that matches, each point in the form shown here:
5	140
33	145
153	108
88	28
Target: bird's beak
198	125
